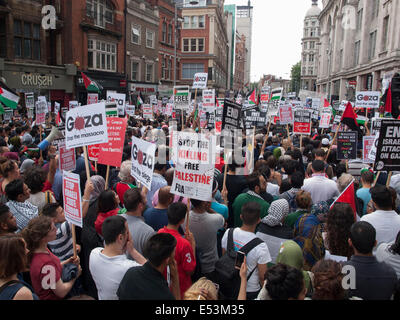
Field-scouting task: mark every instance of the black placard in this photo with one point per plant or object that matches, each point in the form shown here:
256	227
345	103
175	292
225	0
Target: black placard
347	145
388	151
254	119
231	117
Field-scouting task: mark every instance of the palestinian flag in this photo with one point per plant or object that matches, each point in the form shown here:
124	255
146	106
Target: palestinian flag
349	118
8	98
327	105
91	85
348	196
387	98
139	101
276	94
252	98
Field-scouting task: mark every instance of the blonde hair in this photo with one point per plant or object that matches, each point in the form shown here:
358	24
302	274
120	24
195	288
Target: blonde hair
193	293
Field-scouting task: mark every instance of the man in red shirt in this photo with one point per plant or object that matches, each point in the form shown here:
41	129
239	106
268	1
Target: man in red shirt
185	247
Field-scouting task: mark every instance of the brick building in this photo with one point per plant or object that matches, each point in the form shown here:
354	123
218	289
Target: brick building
240	62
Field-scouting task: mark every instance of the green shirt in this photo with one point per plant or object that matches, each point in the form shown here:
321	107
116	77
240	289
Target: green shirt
292	217
245	198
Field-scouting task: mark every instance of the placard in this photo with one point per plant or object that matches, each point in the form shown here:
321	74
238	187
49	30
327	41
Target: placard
302	122
286	115
346	145
94	150
254	119
67	158
194	156
147	111
181	97
209	100
92	98
368	142
368	99
86	126
29	100
325	121
119	99
388	151
41	110
73	104
110	153
143	159
200	81
130	109
72	198
231	117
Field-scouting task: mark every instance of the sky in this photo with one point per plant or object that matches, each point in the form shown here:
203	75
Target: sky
277	32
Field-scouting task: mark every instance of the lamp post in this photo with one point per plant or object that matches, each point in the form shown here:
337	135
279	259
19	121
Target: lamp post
194	2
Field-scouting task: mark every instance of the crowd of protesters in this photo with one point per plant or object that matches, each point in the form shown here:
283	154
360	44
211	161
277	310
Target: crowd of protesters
136	243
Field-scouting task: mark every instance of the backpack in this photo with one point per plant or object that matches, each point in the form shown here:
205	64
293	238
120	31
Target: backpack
225	274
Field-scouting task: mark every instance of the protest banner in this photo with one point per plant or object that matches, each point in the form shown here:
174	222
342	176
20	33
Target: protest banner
92	98
367	99
8	114
41	110
286	114
231	116
388	151
119	99
200	81
130	109
181	97
264	96
296	104
273	108
374	149
143	160
209	100
168	109
67	158
110	153
368	141
86	126
147	111
73	104
376	125
72	203
302	122
346	145
254	119
94	150
325	121
29	100
194	157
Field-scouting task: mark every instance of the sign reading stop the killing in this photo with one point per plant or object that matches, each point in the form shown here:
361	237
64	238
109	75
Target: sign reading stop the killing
72	198
143	159
67	159
110	153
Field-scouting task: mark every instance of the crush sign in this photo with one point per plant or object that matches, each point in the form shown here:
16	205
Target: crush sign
143	159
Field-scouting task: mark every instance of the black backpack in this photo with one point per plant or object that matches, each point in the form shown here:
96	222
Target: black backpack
225	274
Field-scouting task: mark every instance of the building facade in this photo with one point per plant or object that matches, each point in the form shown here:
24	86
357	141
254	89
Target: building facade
204	44
244	25
359	46
230	10
240	62
309	48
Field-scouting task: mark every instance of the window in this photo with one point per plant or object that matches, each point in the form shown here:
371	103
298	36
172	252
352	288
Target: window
170	34
305	58
186	22
190	69
149	72
26	40
193	45
150	39
311	58
375	8
163	68
305	45
312	32
312	45
164	32
135	71
186	45
341	59
3	48
102	55
202	22
385	33
310	71
359	19
136	30
194	22
102	11
304	71
169	68
356	53
372	44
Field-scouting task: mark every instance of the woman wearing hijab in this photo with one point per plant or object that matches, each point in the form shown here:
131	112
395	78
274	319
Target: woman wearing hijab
271	229
308	234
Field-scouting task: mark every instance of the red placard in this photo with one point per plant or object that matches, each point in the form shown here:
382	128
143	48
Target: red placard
302	128
67	159
93	152
111	152
72	198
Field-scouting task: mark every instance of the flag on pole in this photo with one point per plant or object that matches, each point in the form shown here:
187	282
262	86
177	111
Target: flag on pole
139	100
252	98
327	105
8	98
349	118
91	85
348	196
388	102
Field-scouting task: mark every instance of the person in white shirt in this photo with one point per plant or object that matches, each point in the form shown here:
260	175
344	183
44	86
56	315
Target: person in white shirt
319	186
385	220
257	258
108	265
390	254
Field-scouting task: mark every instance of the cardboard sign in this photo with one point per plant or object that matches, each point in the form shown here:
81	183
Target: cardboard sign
143	159
264	96
200	81
254	119
325	121
119	99
73	104
72	198
67	158
231	117
41	111
302	122
346	145
286	115
181	97
209	100
168	109
92	98
110	153
93	151
388	151
130	109
368	99
147	111
29	100
194	156
374	149
376	126
368	141
86	126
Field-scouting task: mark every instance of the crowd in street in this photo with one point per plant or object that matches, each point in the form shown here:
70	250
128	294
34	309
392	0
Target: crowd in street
148	243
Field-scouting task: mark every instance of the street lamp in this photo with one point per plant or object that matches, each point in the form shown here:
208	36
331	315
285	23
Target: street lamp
194	2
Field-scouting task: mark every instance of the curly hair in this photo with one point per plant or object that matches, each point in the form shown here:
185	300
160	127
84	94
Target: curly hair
327	281
339	221
35	178
6	166
303	200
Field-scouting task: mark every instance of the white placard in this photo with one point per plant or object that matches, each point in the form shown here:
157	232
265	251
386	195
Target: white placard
200	81
209	100
143	159
368	99
119	99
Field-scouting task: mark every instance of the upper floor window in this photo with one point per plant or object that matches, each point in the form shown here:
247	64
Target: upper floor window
102	55
136	32
194	22
27	40
102	11
3	49
150	39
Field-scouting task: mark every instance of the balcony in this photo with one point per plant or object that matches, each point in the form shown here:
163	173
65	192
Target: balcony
102	23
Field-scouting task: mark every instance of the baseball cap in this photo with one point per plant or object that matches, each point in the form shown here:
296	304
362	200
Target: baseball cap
325	142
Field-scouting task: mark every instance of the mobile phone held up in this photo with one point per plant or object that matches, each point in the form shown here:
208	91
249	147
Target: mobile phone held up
239	259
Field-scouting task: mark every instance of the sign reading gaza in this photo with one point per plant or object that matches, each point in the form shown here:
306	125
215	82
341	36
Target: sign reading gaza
86	126
143	160
388	151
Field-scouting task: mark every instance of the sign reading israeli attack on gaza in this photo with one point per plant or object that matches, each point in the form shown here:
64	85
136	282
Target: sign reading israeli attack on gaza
143	160
388	151
194	157
86	126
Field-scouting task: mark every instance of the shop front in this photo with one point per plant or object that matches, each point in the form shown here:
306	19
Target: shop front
145	90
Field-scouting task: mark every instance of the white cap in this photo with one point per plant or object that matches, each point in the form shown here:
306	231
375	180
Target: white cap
325	142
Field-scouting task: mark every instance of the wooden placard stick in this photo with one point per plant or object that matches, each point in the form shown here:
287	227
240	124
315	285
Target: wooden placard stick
107	177
389	178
